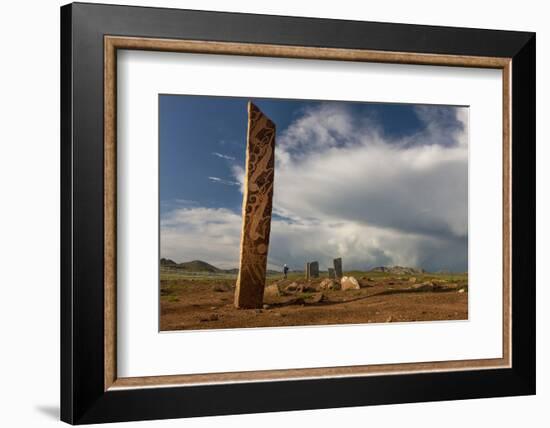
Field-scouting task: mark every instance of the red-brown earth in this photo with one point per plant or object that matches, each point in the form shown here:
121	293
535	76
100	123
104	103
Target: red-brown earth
198	301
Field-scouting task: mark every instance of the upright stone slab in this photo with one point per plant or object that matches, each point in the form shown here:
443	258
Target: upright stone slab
331	273
308	271
338	267
257	204
314	269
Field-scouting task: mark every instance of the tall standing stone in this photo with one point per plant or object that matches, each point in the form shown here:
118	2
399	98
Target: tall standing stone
308	271
338	267
331	273
257	205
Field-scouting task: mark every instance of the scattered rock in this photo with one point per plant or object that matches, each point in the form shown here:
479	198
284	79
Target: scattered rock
292	288
267	306
349	283
445	287
425	286
364	283
412	279
296	301
315	298
389	319
462	290
329	284
398	270
213	317
272	291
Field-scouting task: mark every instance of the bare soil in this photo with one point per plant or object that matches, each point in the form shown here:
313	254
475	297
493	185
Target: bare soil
202	302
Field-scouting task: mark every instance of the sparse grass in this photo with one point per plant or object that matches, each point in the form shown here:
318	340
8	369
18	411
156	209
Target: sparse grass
169	278
171	275
306	294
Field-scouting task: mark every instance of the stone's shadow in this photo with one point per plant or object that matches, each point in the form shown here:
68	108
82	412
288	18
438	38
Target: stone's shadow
49	410
408	291
299	301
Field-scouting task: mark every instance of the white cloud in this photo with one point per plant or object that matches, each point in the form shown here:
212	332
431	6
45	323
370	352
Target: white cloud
213	235
374	199
224	181
222	156
208	234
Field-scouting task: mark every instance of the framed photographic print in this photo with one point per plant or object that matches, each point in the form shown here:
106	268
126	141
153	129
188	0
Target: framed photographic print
266	213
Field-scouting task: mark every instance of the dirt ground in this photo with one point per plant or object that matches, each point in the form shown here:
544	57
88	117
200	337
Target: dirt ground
203	302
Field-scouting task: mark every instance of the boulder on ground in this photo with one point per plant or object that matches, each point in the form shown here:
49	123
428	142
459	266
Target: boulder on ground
349	283
292	288
445	287
314	298
364	283
329	284
412	279
425	286
272	291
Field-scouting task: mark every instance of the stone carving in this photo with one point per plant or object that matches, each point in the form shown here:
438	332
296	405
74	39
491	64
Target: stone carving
257	205
331	273
338	267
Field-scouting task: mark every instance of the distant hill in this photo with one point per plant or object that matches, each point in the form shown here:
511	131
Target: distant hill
198	266
192	266
398	270
202	266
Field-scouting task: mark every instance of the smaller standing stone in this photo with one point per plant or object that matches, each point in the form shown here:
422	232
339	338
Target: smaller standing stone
307	271
338	268
314	269
331	273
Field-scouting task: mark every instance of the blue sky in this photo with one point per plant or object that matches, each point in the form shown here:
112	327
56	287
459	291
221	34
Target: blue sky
321	209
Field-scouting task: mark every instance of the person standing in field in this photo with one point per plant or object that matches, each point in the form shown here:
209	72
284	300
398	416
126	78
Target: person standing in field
285	270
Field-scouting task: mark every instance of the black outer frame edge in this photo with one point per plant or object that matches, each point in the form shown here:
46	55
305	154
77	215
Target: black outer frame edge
524	213
83	398
66	305
301	31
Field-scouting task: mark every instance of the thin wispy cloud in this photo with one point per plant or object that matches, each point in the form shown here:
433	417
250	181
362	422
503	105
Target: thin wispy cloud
224	181
222	156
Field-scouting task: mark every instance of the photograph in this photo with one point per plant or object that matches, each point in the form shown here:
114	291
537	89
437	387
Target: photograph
290	212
